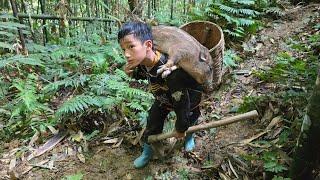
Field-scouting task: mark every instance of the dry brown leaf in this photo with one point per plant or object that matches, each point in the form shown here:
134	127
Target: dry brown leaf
224	176
232	169
247	141
274	122
77	137
267	115
114	127
111	141
118	144
81	157
34	138
70	151
28	168
137	139
12	164
52	129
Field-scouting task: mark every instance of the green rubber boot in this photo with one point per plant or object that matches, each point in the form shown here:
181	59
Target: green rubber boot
189	143
145	157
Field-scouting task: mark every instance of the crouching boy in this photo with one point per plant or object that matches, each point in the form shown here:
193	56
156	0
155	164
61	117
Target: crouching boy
178	91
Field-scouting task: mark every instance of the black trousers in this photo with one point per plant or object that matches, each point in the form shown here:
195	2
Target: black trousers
159	111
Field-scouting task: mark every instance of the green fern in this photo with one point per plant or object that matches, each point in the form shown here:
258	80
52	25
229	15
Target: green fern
82	102
237	11
19	59
8	31
26	101
244	2
274	10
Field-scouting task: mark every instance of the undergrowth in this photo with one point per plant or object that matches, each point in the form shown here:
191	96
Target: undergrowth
238	19
293	76
62	83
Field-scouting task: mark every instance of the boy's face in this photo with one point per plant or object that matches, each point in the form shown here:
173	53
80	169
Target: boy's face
134	50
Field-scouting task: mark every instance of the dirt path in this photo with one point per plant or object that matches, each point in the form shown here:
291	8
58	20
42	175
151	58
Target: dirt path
213	147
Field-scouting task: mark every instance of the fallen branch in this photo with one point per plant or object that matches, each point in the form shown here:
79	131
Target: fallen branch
223	122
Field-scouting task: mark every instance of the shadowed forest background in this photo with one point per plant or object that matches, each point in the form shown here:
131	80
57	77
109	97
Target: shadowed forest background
68	110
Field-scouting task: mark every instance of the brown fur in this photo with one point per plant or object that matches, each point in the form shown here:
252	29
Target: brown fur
186	52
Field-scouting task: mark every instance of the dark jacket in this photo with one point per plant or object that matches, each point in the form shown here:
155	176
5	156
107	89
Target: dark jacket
174	92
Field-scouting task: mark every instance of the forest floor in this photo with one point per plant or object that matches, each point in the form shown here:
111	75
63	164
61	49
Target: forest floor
217	151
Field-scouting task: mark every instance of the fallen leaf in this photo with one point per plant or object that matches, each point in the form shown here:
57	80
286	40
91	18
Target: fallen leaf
52	129
81	157
274	122
111	141
77	137
118	144
12	164
34	138
246	141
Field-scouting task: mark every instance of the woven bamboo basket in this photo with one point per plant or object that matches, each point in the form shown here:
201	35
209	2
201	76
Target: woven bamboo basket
211	36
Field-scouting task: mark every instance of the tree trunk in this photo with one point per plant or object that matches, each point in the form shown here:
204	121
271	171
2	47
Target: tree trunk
307	156
136	7
4	4
149	9
45	32
171	12
15	14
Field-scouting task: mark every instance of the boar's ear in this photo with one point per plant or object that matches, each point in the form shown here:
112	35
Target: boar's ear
148	44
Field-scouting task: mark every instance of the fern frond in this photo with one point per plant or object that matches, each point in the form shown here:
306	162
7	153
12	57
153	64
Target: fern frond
11	25
133	93
136	105
249	12
76	80
4	87
5	46
244	2
227	8
52	87
20	60
7	34
79	104
274	10
123	75
7	16
72	82
237	11
244	22
27	91
232	33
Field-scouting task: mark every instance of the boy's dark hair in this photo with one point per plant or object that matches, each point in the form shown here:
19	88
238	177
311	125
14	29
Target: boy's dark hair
140	30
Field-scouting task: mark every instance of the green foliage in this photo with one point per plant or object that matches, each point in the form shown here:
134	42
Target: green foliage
183	173
280	178
230	58
64	82
8	31
77	176
272	162
299	71
292	77
19	59
238	18
235	17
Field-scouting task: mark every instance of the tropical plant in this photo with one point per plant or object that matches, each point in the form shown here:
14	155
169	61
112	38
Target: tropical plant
8	32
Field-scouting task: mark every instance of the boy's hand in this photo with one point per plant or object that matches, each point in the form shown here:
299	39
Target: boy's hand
128	69
179	135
